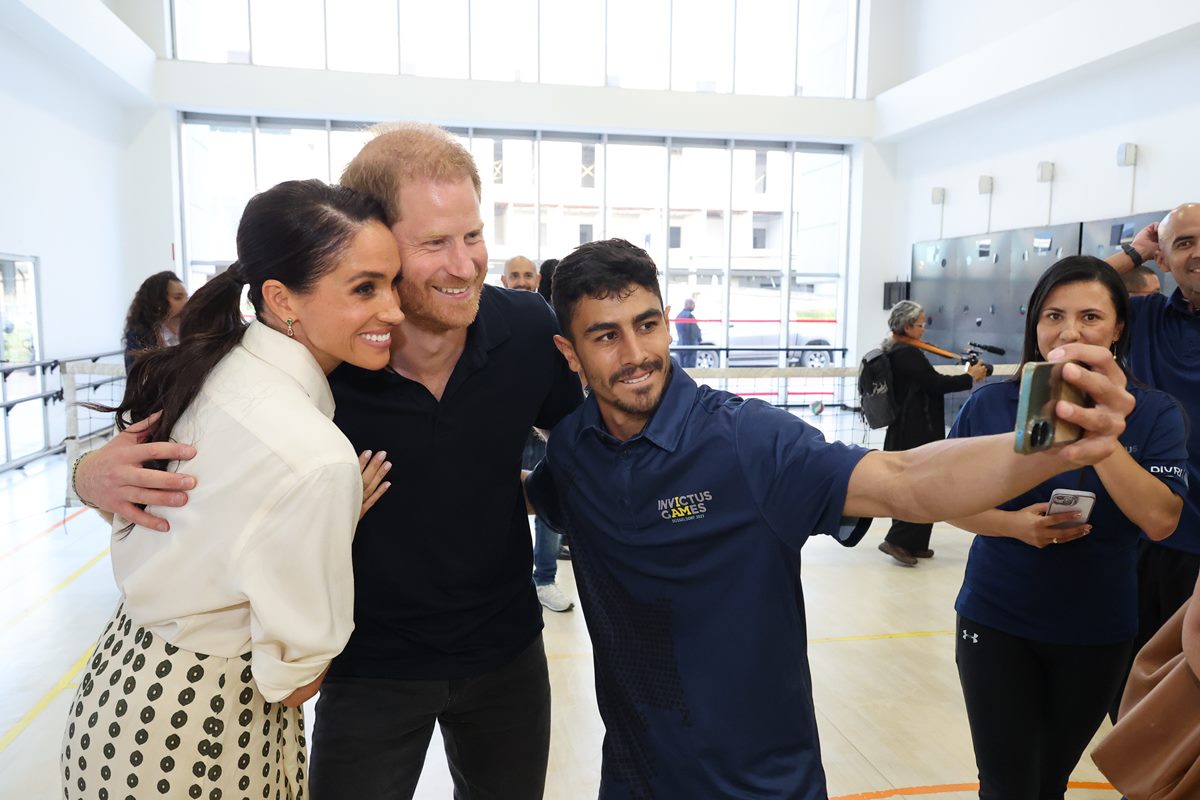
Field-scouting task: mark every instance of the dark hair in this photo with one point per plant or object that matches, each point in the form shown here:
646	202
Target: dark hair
148	311
1138	278
292	233
1076	269
599	270
546	285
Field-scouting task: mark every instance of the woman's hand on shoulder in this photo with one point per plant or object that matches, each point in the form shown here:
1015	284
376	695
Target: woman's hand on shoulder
1032	526
374	468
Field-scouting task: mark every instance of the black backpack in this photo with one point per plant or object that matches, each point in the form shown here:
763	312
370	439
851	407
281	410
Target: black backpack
876	393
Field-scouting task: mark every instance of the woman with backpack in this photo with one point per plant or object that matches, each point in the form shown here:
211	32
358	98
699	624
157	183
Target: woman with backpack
919	391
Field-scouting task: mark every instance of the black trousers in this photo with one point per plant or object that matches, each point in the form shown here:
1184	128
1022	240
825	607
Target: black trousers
371	734
1166	579
912	536
1033	707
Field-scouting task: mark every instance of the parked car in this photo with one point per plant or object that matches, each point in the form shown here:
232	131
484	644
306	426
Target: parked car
799	357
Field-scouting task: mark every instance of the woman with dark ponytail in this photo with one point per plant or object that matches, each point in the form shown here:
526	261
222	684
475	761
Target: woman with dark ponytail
227	624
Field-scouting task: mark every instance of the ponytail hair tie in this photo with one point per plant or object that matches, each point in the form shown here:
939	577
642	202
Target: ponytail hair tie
234	271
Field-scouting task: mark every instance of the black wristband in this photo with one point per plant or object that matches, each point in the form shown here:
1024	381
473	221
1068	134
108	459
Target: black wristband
1133	254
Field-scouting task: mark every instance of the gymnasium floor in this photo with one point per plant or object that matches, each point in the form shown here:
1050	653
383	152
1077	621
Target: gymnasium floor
887	697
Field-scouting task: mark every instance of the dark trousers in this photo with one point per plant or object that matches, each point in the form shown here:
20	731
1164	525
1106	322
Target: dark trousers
1166	579
912	536
1033	707
371	734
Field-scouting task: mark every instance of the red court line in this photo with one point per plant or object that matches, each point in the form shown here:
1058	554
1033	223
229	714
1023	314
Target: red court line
946	788
37	536
772	394
697	320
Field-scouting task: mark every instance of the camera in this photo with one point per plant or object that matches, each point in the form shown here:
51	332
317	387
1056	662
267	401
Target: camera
1065	499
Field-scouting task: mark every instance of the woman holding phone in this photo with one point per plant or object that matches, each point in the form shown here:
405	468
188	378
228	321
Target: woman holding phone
1047	614
227	623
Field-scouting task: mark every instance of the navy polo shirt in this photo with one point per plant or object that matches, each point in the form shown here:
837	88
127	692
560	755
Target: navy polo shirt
442	585
1082	592
1164	351
685	542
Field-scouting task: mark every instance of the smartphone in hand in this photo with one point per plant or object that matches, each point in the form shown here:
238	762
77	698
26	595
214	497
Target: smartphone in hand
1038	426
1064	500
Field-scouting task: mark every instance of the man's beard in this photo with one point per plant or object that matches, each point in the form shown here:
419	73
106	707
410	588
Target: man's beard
423	310
653	365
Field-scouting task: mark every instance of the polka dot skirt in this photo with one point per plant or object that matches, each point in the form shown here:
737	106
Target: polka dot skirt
150	720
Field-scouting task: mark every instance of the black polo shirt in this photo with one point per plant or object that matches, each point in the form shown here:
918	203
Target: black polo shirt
443	563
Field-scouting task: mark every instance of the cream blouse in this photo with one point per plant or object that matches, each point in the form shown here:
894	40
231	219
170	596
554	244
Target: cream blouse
259	559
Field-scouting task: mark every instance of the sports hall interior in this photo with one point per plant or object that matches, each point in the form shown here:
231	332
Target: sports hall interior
779	159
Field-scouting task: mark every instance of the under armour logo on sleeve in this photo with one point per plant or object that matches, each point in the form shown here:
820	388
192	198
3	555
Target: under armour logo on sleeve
973	638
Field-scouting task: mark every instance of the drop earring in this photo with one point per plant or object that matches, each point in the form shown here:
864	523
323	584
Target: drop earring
291	333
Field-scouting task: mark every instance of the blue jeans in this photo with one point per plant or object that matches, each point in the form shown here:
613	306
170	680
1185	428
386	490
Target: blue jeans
546	542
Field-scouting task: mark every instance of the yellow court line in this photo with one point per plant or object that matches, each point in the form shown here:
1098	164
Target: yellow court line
62	585
945	788
874	636
65	682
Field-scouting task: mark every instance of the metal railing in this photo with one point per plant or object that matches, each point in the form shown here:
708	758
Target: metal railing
58	386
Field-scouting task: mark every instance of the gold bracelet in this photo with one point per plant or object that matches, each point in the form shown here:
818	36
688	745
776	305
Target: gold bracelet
74	488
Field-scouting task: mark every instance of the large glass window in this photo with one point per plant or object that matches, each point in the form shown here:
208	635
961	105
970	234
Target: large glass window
638	36
572	42
752	232
698	247
218	179
363	36
504	40
345	140
508	206
818	256
434	38
572	195
702	47
760	201
762	47
22	428
291	151
824	52
288	33
213	30
765	47
637	196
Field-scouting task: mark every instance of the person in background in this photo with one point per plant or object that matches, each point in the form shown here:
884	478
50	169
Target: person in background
920	391
1164	352
1047	612
546	282
688	331
1141	281
520	273
154	314
228	623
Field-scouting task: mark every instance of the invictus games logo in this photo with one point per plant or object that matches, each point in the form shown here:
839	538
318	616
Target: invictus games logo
685	507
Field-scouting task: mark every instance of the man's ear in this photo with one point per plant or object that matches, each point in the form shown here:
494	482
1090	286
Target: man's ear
278	300
568	350
667	322
504	280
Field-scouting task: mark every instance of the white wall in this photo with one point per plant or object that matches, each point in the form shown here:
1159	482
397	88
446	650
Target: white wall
911	37
1075	123
62	181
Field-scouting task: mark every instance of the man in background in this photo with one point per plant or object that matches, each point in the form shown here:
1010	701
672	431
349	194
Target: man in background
1141	281
688	331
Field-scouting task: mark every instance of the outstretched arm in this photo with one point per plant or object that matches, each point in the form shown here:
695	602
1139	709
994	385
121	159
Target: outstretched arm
961	477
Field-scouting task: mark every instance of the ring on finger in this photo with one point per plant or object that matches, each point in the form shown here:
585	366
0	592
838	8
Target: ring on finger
1054	540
